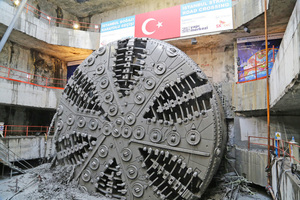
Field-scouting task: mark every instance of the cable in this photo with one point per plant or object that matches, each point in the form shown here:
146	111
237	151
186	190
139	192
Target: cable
34	181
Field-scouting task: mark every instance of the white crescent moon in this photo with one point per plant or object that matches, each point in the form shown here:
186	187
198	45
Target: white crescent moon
144	26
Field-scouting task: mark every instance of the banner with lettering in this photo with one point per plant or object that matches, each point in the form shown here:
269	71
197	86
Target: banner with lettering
205	16
185	20
117	29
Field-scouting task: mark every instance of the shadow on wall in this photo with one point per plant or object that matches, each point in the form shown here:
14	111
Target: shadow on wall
14	115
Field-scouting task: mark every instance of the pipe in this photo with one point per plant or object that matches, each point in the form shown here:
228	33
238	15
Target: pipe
268	93
12	24
270	190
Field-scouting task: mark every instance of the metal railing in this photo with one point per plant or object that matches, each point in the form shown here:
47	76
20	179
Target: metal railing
21	130
283	148
33	79
258	71
65	22
6	155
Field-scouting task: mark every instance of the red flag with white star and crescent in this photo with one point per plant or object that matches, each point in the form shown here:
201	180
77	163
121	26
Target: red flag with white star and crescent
159	24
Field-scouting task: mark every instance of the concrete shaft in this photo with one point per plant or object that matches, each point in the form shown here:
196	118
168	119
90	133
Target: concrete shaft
139	119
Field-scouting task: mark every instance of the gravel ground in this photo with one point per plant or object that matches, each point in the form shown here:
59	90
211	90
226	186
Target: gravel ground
43	183
230	186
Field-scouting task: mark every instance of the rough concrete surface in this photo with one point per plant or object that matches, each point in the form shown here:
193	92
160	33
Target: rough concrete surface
51	9
285	76
249	96
252	165
215	61
22	94
288	126
30	147
33	33
30	61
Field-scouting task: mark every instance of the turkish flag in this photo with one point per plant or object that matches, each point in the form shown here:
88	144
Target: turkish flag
159	24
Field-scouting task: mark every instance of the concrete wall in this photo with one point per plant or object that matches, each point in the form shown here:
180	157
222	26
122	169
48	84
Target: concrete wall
288	126
216	62
251	165
284	79
28	148
41	30
246	10
249	96
21	94
51	9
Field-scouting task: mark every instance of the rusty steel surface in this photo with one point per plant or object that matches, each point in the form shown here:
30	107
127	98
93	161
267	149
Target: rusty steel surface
139	120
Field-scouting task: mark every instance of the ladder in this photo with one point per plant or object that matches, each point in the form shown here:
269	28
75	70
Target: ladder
6	155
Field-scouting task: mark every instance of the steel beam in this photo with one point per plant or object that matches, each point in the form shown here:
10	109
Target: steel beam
12	24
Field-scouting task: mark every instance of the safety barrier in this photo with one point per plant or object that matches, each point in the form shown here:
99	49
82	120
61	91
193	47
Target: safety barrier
283	148
259	69
25	77
6	156
22	130
67	23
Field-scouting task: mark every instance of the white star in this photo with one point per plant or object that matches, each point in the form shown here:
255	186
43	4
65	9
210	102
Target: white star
159	24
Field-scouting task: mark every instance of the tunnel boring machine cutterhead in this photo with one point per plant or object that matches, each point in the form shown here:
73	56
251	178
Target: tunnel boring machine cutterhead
140	120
